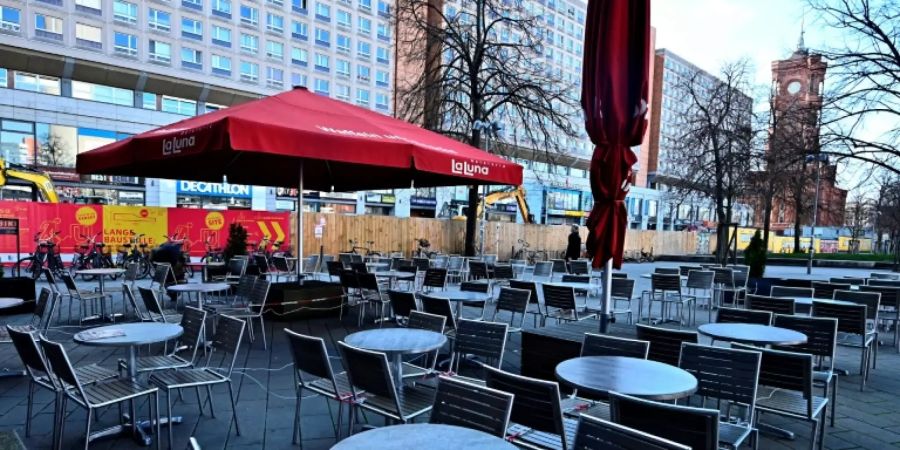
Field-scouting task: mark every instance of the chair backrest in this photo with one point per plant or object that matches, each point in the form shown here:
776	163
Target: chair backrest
515	301
853	281
536	403
128	293
700	279
477	270
741	275
665	282
28	351
58	363
440	261
599	434
503	272
368	282
559	266
542	269
310	358
455	263
345	259
668	270
851	318
355	258
69	282
528	286
51	279
794	282
489	259
402	303
369	371
562	297
872	300
486	340
724	374
734	315
883	276
665	344
724	276
359	267
237	266
606	345
826	290
43	309
421	264
785	370
821	334
696	428
259	294
889	283
791	292
440	307
245	287
193	322
131	272
334	268
262	263
686	270
227	341
772	304
579	267
151	304
622	288
576	278
425	321
435	278
471	286
890	295
468	405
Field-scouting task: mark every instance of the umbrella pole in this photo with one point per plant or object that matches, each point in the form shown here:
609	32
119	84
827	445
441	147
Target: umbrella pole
300	225
606	308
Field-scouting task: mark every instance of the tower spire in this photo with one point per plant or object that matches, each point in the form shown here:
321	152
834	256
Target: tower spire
800	44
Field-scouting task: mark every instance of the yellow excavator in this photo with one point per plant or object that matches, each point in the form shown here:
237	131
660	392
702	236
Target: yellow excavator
518	193
42	186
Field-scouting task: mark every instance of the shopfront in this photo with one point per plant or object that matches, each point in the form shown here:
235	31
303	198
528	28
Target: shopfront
380	203
563	206
200	194
423	202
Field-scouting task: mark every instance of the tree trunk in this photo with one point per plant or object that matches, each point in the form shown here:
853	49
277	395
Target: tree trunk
797	229
471	220
767	221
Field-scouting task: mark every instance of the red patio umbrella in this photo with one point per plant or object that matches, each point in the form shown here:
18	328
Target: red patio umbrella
300	139
614	97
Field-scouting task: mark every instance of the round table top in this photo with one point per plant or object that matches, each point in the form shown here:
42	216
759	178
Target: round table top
10	302
642	378
575	284
464	296
396	340
650	275
135	334
378	264
751	333
394	274
423	435
107	271
198	287
808	301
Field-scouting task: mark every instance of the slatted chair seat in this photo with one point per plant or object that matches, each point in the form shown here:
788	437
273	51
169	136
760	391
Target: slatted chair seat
599	410
89	374
413	402
733	435
574	406
324	386
855	340
787	402
157	362
174	379
523	436
569	315
112	391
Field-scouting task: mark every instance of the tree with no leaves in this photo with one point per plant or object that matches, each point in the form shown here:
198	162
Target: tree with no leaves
479	64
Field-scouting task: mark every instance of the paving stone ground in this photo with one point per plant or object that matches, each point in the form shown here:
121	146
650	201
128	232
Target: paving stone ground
265	390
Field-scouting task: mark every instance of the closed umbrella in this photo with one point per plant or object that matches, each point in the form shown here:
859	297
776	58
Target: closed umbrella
614	97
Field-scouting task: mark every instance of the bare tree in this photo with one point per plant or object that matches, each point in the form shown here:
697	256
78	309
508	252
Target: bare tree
857	220
480	64
714	154
888	213
861	114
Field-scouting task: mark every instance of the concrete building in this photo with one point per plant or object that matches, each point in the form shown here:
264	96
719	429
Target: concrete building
76	74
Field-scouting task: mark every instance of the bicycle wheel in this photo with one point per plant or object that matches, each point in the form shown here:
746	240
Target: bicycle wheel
27	267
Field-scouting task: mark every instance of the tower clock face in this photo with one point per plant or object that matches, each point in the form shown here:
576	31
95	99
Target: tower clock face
793	87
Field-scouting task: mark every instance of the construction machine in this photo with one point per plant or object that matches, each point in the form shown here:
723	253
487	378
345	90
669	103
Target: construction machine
517	193
42	186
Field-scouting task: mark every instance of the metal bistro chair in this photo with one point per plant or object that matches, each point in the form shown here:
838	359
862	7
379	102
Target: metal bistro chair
586	279
605	345
853	281
440	307
621	290
791	292
728	281
227	341
700	285
726	376
502	275
334	269
734	315
423	321
83	298
558	266
476	286
562	301
434	279
478	271
698	428
598	434
579	267
534	303
313	372
542	269
514	301
193	322
463	404
853	332
665	344
485	340
371	290
155	311
93	396
666	289
890	308
402	305
44	305
455	269
774	305
253	311
826	290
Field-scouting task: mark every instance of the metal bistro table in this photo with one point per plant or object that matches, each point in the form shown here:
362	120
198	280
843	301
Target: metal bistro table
101	275
462	297
6	303
394	275
200	288
10	302
423	435
397	342
751	333
642	378
136	334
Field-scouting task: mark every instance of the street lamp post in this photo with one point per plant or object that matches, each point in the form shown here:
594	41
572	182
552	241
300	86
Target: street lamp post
818	158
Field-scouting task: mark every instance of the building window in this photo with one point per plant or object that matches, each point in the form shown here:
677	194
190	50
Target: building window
321	86
383	56
384	32
100	93
323	37
298	79
221	36
384	9
125	44
89	6
275	2
212	107
299	6
10	19
249	15
343	44
323	12
342	92
221	8
48	27
148	100
249	43
177	105
363	73
299	57
160	52
36	83
14	139
365	26
381	102
343	18
365	5
362	97
87	36
322	64
221	65
159	20
342	67
191	29
274	23
382	78
193	4
299	30
274	77
364	49
125	11
191	58
275	50
249	71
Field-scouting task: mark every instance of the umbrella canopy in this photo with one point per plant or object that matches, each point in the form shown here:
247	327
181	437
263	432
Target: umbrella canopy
614	97
268	141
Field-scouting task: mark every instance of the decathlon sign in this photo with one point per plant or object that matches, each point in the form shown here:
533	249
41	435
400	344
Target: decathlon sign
213	189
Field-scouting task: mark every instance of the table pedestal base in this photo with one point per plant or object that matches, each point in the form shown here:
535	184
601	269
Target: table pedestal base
142	433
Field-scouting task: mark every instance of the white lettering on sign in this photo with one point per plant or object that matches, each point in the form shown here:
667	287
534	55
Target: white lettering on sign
223	189
174	145
468	169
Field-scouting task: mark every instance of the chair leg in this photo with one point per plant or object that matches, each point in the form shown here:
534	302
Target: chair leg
87	429
262	331
28	409
209	397
834	388
199	399
157	434
814	436
169	413
237	427
62	421
297	437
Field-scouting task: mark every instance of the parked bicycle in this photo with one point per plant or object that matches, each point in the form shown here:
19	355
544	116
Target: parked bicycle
423	249
46	254
134	251
365	251
530	256
174	239
91	254
213	254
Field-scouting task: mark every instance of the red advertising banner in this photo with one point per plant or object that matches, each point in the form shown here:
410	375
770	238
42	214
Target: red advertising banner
198	226
65	224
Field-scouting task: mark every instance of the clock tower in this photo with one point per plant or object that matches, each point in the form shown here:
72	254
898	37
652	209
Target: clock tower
797	82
